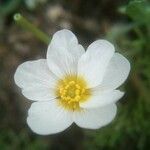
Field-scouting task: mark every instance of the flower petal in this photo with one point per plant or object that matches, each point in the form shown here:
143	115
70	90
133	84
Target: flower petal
48	118
95	118
116	73
63	53
93	63
36	80
100	99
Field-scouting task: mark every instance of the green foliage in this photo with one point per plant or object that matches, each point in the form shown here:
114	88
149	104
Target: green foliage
16	141
8	7
139	11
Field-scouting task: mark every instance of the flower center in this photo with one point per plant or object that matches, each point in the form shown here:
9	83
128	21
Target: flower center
71	91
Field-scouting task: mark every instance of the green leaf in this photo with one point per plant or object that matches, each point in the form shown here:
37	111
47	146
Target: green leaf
139	11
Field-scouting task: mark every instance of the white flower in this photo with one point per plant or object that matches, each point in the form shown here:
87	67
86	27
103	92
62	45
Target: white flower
72	85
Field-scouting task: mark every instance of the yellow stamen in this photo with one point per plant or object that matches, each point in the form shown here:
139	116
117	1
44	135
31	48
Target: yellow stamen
70	91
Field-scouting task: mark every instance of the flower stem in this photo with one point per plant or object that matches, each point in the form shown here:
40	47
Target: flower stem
24	23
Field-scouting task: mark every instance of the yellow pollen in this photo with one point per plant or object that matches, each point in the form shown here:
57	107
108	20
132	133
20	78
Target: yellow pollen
70	91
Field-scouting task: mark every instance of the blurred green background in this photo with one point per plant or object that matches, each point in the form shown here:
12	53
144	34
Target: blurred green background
125	23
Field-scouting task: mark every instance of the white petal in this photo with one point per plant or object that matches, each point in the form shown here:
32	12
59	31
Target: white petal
63	53
100	99
116	73
39	93
48	118
95	118
93	63
36	80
